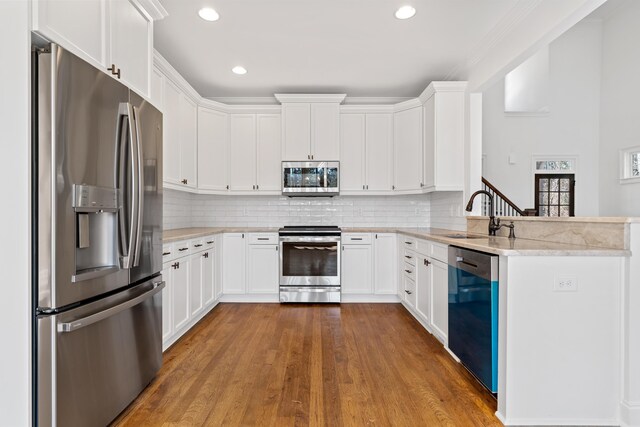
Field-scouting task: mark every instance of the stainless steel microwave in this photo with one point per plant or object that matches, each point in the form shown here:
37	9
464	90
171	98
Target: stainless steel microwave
310	178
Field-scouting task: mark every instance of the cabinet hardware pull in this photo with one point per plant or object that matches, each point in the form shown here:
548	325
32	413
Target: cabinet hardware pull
376	236
263	238
308	156
312	157
393	187
363	186
356	238
184	181
166	253
210	242
205	255
243	235
408	271
408	243
421	184
367	186
183	249
198	245
175	265
115	71
409	292
227	186
408	257
426	262
257	187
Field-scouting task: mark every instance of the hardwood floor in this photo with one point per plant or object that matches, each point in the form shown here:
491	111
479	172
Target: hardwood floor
317	365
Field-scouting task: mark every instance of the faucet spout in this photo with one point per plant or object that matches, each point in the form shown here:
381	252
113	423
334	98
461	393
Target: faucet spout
493	225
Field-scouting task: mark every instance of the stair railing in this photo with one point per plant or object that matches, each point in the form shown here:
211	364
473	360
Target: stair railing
501	203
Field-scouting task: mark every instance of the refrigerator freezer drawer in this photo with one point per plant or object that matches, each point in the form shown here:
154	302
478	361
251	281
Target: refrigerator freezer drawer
95	359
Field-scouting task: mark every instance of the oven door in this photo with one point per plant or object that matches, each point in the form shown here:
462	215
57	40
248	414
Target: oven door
309	261
309	178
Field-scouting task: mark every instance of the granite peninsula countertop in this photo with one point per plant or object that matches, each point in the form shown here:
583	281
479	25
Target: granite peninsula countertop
483	243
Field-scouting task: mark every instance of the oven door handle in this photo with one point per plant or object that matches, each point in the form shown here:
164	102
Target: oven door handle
315	239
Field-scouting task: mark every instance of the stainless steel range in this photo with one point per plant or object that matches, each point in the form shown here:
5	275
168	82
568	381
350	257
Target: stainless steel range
310	264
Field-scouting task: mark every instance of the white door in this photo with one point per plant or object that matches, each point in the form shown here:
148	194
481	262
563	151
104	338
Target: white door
208	277
296	131
407	129
429	162
385	272
171	133
78	26
131	45
195	284
269	146
423	285
440	304
262	269
212	149
242	152
325	131
167	303
352	152
356	269
188	142
180	294
379	153
233	264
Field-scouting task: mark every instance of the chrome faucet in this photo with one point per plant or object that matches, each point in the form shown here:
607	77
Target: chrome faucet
494	223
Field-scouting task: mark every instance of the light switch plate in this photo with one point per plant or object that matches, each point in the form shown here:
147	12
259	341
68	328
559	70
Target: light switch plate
565	284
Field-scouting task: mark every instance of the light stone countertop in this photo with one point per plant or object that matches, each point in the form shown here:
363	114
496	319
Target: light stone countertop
483	243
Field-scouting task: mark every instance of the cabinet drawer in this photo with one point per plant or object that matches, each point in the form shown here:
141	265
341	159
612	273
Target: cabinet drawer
423	247
263	239
209	242
409	257
356	238
197	245
181	249
409	271
440	252
408	242
168	252
409	291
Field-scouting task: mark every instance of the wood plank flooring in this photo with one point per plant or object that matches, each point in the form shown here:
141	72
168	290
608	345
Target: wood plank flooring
310	365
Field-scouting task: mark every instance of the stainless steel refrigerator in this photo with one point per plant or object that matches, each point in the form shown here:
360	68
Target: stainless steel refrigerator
97	242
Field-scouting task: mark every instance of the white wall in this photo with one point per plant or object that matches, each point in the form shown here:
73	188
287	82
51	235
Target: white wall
620	108
442	210
15	313
570	128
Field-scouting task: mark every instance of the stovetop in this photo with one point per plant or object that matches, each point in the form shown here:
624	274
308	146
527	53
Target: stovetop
320	229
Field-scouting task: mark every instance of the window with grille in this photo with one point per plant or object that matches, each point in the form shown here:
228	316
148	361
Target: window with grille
555	194
630	165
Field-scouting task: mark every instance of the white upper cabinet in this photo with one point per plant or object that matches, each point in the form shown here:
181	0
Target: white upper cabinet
444	105
131	45
180	121
242	152
310	127
379	153
269	145
407	128
156	88
105	33
325	131
352	152
212	149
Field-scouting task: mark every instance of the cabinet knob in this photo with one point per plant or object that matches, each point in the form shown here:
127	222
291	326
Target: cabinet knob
393	187
184	181
254	186
257	187
227	186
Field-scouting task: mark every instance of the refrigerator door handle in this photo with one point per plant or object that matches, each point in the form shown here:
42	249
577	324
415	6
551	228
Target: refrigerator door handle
139	188
128	238
96	317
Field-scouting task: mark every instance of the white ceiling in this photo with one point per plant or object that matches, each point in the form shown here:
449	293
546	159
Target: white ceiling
355	47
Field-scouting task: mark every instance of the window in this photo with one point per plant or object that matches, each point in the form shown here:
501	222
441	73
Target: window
630	165
554	165
555	194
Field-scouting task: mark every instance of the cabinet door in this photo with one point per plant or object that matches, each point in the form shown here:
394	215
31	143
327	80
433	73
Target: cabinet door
269	146
157	88
233	259
325	131
212	150
407	129
167	302
218	262
171	134
423	291
262	266
429	149
385	261
180	293
379	152
195	284
188	141
356	269
296	131
352	152
78	26
242	152
131	45
208	277
440	295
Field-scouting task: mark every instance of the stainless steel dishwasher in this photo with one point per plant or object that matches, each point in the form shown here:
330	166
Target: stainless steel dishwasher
473	313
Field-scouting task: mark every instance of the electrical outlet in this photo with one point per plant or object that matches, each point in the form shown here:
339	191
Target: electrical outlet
565	284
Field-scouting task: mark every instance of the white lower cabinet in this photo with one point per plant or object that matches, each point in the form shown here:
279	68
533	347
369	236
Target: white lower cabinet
440	303
234	263
423	285
384	264
250	264
208	277
180	294
167	302
195	284
356	269
262	269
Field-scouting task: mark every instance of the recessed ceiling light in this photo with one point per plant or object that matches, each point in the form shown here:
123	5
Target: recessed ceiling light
405	12
208	14
238	69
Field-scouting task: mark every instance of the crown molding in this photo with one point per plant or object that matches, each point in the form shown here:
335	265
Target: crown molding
152	8
245	100
173	75
363	109
406	105
435	87
306	97
374	100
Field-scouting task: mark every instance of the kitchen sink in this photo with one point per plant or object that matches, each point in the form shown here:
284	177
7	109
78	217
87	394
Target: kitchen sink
464	236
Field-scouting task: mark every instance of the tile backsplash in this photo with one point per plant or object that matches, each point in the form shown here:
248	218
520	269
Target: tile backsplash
197	210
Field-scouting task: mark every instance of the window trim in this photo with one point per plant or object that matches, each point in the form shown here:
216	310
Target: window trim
554	158
625	165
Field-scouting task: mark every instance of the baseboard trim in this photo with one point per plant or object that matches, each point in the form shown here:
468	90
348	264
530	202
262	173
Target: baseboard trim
250	298
369	298
557	422
629	414
185	328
